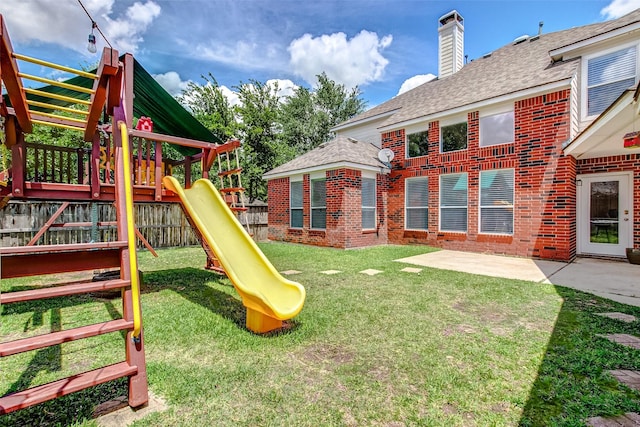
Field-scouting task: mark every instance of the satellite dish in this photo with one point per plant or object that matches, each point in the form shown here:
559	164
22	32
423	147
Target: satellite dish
385	155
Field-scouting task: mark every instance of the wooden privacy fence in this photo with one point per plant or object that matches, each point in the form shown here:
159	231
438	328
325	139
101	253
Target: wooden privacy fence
162	224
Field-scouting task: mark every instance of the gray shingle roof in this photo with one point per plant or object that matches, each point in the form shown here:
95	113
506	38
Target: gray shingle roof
337	152
510	69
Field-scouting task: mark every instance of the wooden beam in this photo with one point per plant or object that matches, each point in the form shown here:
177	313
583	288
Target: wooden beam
107	68
11	81
114	90
22	399
185	142
48	224
18	163
36	263
127	101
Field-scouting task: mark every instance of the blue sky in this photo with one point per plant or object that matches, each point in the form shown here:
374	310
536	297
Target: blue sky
375	44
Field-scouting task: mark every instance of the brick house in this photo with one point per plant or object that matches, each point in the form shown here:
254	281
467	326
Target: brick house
519	152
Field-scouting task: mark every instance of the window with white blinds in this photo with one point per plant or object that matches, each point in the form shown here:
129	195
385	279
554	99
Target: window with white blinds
368	203
453	202
417	204
608	76
497	129
318	203
496	201
295	204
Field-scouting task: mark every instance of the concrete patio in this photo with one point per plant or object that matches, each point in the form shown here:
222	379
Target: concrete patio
615	280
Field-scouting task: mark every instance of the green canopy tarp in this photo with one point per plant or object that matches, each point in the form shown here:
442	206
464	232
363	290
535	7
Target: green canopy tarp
150	100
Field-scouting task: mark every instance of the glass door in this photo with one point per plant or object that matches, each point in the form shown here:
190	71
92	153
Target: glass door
604	214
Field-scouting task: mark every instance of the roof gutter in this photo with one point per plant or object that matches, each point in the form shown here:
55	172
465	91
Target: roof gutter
347	125
557	54
329	166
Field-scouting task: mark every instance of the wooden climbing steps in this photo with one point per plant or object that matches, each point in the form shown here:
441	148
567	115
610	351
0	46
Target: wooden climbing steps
28	261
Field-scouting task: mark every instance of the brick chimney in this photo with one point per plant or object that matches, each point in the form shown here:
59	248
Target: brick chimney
450	44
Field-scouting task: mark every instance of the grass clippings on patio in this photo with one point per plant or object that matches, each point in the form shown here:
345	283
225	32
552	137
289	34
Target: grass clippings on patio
437	348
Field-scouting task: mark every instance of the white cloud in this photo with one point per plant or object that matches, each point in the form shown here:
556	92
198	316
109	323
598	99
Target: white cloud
125	33
241	54
414	82
286	88
618	8
66	24
232	97
352	62
171	82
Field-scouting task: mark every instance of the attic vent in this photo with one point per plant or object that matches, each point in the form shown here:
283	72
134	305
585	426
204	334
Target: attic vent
486	55
355	141
521	39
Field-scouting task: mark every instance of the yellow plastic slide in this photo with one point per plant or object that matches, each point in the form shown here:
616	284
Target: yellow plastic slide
268	297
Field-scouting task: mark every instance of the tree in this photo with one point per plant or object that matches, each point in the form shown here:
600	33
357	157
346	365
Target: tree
211	107
259	130
308	116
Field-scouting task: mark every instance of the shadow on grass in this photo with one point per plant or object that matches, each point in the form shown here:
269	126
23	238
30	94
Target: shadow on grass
573	383
193	285
66	410
190	283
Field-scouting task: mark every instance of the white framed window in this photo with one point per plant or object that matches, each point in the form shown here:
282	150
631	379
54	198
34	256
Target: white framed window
496	129
295	204
368	203
496	201
453	202
417	204
319	203
453	137
418	144
607	76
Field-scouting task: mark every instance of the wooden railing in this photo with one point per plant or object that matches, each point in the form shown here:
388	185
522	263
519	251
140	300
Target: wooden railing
51	163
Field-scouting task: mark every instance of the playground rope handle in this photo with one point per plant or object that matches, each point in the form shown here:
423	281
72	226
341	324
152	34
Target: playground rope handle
133	264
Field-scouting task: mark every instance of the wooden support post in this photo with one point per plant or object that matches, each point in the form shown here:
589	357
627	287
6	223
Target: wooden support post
187	172
159	172
138	389
18	165
94	178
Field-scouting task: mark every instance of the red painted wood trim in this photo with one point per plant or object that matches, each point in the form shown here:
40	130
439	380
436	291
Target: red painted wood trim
107	67
146	243
63	290
58	262
94	180
70	247
18	164
55	338
48	224
35	395
186	142
159	172
12	81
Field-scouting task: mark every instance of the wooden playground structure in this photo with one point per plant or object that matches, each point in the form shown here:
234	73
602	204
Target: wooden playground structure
123	165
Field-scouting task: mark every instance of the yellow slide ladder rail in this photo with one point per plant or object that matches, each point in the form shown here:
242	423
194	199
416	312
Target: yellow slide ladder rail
133	261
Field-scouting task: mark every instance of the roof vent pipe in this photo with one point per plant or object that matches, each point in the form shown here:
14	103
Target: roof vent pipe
540	24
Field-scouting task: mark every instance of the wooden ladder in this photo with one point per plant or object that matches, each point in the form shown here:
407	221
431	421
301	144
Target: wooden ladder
27	261
229	174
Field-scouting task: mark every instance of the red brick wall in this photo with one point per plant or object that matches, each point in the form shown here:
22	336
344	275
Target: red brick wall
544	205
344	212
630	162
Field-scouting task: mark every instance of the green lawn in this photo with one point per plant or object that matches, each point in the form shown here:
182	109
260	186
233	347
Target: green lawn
438	348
